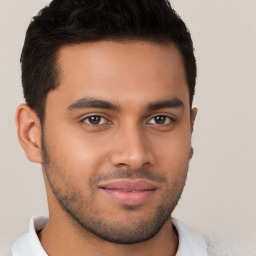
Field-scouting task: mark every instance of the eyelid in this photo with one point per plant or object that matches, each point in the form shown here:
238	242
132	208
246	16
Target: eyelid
88	114
172	119
101	115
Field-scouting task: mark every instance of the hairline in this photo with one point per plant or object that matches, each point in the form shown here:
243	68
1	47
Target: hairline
56	58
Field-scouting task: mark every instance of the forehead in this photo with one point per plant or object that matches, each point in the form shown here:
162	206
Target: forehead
120	71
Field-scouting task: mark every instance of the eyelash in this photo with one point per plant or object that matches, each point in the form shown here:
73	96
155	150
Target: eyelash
95	116
165	117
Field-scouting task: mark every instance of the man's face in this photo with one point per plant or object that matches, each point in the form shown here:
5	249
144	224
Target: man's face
117	133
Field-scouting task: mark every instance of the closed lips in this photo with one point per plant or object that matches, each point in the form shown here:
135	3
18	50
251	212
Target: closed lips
129	192
129	185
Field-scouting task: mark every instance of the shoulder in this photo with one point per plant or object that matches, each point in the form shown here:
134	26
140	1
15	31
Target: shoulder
220	247
192	243
29	244
21	246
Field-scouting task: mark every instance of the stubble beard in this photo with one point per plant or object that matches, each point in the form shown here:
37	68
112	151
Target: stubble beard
128	231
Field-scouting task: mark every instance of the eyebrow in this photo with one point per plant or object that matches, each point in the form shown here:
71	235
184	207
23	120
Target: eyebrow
93	103
103	104
168	103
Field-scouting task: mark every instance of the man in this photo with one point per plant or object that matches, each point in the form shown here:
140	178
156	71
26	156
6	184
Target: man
109	88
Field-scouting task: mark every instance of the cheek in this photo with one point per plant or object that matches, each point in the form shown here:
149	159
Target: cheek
172	151
77	152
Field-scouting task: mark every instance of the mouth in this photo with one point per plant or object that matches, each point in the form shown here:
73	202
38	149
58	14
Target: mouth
129	192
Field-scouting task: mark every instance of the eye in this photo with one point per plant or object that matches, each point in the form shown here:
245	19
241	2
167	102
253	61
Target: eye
95	120
161	119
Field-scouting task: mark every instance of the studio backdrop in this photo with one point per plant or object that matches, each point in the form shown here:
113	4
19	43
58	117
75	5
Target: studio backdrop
219	198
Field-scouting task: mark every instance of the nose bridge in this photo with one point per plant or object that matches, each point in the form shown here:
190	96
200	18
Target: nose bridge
132	148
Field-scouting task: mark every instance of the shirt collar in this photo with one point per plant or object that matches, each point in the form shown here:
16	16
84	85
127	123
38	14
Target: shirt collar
191	243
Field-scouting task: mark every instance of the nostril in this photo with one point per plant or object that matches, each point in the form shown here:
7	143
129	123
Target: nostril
147	164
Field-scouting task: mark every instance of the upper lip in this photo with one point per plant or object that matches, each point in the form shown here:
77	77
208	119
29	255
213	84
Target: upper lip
129	185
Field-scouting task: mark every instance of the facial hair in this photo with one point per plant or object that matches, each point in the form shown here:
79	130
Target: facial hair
89	216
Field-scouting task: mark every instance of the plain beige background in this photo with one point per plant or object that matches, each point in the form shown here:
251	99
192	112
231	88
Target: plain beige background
220	194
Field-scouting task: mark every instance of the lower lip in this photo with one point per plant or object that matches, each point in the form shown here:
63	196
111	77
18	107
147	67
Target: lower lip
129	198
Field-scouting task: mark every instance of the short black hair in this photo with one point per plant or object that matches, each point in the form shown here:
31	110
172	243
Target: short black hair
65	22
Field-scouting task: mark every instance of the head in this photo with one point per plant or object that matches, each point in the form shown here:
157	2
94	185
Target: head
109	87
74	22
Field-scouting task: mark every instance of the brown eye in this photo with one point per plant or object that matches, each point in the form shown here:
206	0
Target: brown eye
161	119
95	120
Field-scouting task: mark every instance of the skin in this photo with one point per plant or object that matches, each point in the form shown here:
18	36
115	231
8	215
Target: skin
129	143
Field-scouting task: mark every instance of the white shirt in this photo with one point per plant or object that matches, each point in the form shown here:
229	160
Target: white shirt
191	243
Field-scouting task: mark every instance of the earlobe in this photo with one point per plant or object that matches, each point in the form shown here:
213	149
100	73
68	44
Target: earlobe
29	132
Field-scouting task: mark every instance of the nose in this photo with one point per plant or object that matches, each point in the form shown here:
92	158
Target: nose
132	149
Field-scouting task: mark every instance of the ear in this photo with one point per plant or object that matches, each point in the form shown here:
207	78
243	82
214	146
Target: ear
193	117
29	132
